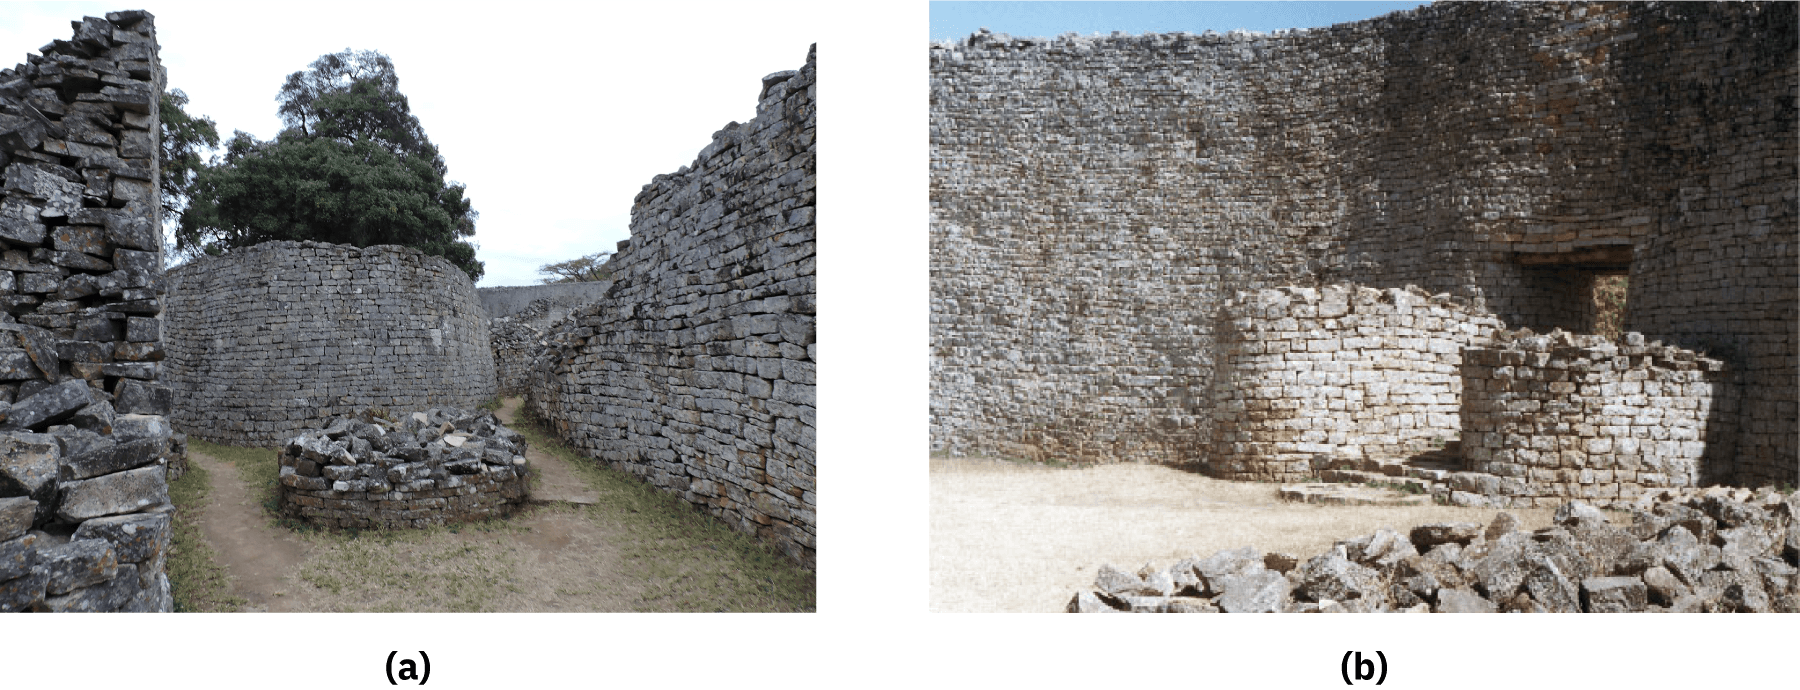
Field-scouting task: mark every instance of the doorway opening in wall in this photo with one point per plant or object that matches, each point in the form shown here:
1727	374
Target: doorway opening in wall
1581	291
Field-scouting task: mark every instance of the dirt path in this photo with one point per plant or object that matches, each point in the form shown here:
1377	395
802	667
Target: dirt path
1007	537
261	559
556	482
550	557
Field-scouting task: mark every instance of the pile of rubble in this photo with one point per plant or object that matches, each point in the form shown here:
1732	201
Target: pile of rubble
425	468
1721	551
515	339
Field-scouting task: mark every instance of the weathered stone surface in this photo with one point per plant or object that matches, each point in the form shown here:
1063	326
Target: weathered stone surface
25	593
1086	602
1264	591
17	556
113	494
138	397
1463	600
49	406
113	458
16	515
77	564
135	538
1334	576
113	594
28	466
1613	594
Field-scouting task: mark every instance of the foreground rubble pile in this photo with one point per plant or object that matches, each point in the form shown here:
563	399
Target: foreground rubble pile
420	469
1724	551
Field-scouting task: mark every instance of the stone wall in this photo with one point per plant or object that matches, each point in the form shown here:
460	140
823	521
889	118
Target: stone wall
508	300
1337	371
84	505
696	370
266	339
1546	418
1094	201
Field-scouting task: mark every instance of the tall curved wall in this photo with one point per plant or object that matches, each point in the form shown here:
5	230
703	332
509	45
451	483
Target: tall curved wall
696	369
265	339
1094	201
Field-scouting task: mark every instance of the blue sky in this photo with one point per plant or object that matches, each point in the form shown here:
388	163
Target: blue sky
955	20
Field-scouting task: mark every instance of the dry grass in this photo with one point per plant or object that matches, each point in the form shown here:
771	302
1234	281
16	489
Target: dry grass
1021	538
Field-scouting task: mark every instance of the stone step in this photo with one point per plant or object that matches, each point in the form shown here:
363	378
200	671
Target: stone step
1349	495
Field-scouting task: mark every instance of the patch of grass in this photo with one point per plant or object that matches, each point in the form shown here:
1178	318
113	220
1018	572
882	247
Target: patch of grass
196	579
690	560
402	570
491	404
258	467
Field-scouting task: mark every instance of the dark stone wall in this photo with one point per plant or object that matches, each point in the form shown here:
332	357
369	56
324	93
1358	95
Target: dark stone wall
696	368
266	339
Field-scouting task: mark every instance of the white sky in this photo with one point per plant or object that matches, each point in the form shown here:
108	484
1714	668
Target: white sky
553	115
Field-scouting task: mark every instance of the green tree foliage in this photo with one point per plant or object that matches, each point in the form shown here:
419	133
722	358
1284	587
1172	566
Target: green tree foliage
353	167
184	139
578	270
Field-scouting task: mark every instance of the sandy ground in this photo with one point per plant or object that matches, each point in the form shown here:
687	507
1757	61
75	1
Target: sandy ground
550	558
1022	538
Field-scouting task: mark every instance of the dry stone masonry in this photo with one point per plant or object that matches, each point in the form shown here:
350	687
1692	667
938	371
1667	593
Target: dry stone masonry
1547	418
1720	551
516	338
84	448
266	340
1336	371
696	369
1096	201
375	470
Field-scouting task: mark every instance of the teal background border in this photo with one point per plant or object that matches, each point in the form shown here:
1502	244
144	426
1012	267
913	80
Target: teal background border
872	627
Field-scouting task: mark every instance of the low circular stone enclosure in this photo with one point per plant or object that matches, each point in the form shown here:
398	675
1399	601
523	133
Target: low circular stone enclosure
380	470
268	339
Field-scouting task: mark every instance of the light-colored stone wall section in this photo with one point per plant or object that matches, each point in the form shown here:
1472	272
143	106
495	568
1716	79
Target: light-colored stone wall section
1555	417
1094	200
266	339
696	369
1336	371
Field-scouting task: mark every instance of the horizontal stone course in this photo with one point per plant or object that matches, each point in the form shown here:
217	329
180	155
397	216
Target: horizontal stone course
696	369
267	339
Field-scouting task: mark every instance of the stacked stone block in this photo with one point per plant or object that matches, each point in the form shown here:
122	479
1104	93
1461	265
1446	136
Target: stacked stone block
516	339
380	470
266	340
1340	370
1094	199
1547	418
696	370
84	449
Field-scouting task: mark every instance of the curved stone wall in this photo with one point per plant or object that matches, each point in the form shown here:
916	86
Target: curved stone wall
696	369
1337	371
1548	418
264	340
1094	200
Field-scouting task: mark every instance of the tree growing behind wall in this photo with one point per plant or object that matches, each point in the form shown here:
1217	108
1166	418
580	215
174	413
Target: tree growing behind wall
577	270
353	167
184	138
